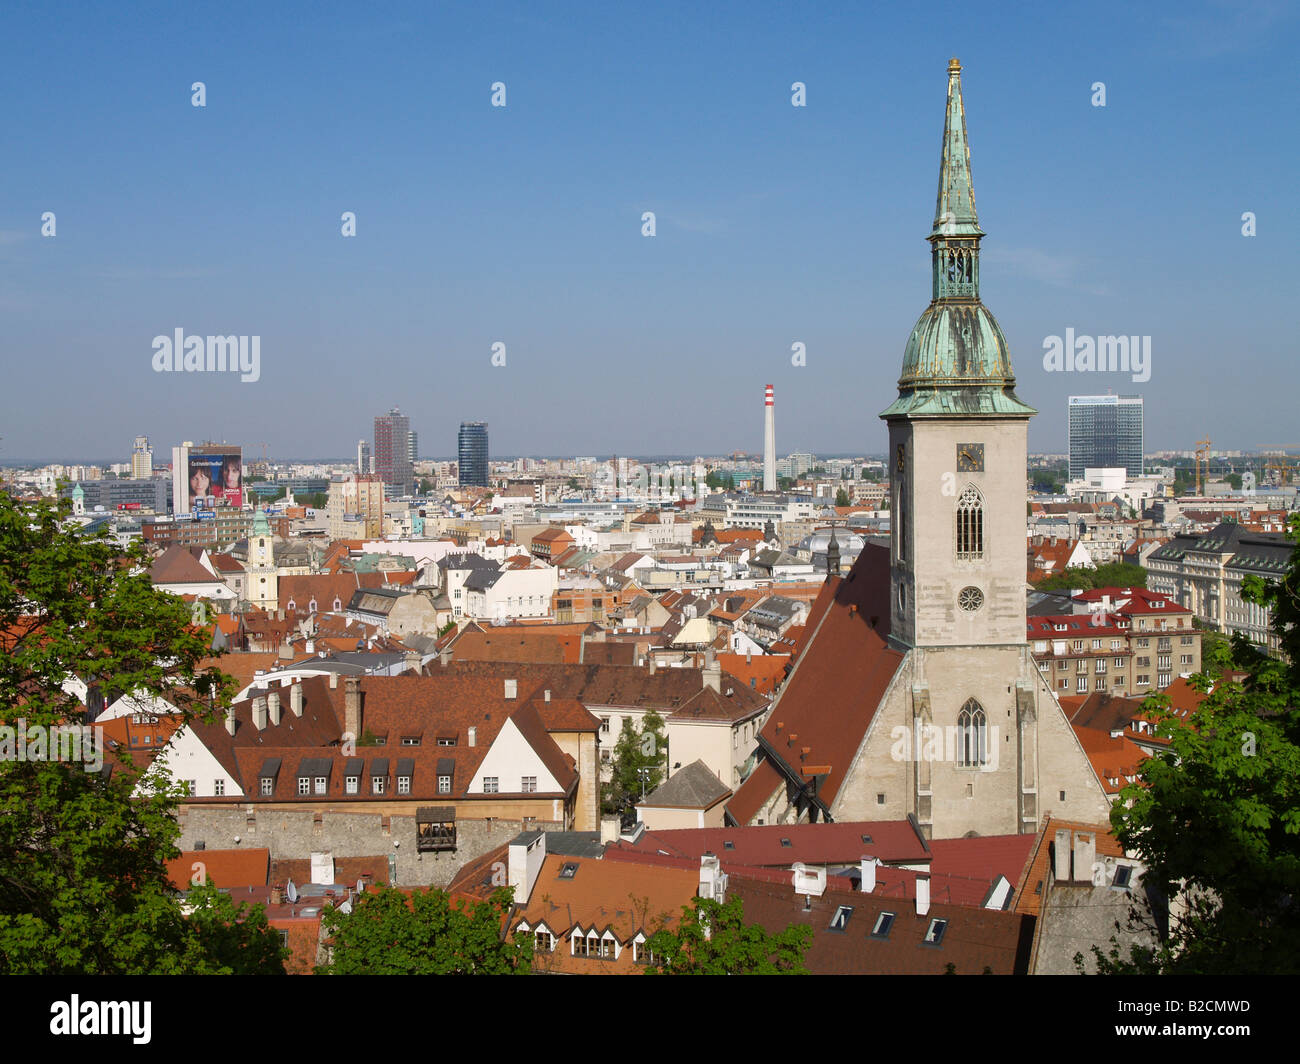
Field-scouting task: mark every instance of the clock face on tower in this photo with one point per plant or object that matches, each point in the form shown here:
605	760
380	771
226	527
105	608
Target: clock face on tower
970	458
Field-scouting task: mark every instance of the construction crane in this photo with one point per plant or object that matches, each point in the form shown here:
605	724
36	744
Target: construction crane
1202	452
1281	467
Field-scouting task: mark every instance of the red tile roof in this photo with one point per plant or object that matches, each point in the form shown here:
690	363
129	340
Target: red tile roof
831	696
223	868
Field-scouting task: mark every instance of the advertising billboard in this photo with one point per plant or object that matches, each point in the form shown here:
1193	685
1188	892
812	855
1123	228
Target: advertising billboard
218	473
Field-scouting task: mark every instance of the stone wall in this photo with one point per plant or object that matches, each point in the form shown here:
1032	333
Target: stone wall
291	833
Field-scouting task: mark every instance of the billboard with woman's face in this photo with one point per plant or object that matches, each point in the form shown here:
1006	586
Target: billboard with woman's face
217	472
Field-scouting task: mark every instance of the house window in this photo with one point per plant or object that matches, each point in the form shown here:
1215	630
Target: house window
377	785
604	725
219	788
880	799
1081	684
351	784
304	785
882	925
490	784
284	938
972	748
444	785
320	784
528	785
545	941
641	954
268	787
1096	644
447	742
934	935
580	947
403	784
410	740
840	920
1119	663
970	525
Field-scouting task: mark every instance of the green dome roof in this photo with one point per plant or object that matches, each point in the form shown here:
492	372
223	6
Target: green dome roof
959	344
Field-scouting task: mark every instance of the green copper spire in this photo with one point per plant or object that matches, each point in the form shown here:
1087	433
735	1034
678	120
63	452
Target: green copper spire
954	208
261	527
956	361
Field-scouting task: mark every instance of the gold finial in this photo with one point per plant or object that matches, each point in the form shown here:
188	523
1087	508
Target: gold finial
954	66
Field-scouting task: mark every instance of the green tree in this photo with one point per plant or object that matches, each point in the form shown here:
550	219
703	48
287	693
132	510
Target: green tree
713	939
425	933
1112	574
1216	816
83	879
1234	480
639	749
841	498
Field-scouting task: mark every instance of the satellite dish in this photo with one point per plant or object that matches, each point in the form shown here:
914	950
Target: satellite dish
361	886
291	893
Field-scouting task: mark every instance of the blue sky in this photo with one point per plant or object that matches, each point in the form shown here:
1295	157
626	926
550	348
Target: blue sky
522	224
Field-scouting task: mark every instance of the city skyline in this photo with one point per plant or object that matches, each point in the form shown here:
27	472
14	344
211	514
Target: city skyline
550	282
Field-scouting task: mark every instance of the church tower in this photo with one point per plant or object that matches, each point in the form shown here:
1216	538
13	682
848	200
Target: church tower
263	582
958	438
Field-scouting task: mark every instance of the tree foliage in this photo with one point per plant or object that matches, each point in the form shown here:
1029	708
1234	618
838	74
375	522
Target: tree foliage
425	933
1112	574
712	938
83	880
638	748
1216	817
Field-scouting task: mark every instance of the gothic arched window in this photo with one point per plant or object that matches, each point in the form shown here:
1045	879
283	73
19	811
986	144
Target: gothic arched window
972	741
970	524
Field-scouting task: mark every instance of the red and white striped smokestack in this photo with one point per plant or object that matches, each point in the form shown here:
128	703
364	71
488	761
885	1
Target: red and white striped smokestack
769	440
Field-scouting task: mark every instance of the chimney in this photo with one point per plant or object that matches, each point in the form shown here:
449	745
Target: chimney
352	706
259	713
652	664
295	699
286	651
413	661
512	689
749	656
444	656
473	735
868	867
1061	867
277	895
273	707
279	615
922	895
547	694
712	672
524	865
230	720
1085	854
334	681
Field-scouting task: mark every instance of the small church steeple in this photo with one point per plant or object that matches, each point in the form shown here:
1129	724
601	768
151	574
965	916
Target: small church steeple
833	556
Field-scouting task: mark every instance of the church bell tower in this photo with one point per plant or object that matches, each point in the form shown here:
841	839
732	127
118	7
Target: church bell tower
958	438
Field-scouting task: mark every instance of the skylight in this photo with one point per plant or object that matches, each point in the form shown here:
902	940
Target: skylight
883	923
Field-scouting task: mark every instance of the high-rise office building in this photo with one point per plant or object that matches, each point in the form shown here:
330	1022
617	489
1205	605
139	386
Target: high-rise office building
1105	433
364	465
413	446
141	459
393	451
472	452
